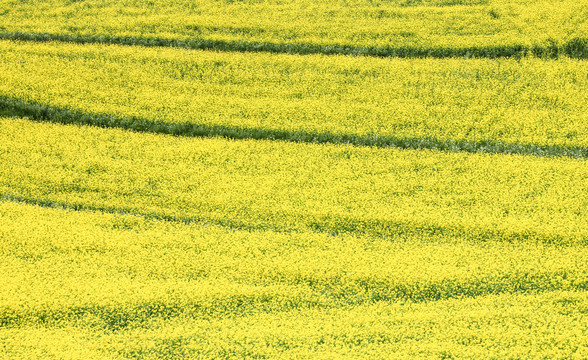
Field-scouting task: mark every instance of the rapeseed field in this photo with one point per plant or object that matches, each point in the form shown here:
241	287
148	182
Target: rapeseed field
268	179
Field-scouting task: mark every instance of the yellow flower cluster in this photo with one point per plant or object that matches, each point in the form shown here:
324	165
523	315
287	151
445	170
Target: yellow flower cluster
254	184
393	26
308	206
505	101
161	289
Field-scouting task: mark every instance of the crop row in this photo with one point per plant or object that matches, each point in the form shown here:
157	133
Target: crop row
128	259
382	28
476	103
131	283
287	186
574	48
501	327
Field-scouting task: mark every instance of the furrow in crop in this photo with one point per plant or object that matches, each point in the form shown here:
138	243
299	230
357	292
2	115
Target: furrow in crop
527	106
547	325
574	48
381	28
39	112
252	184
392	231
116	271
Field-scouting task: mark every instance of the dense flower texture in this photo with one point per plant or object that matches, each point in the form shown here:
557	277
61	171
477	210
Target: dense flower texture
257	235
439	28
205	179
526	102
